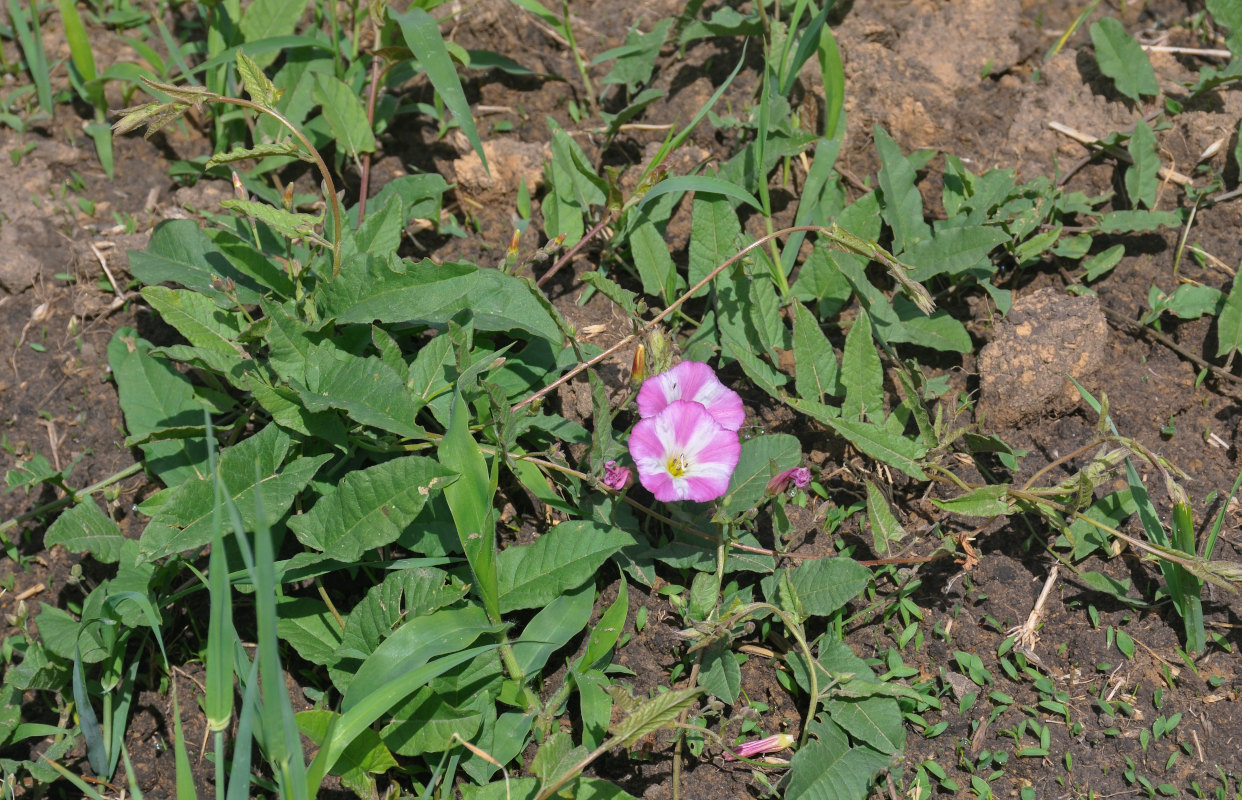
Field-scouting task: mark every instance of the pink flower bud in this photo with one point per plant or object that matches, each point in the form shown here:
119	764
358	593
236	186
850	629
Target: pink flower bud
770	744
616	477
798	476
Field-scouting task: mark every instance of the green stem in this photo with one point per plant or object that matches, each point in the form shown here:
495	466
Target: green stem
582	70
71	497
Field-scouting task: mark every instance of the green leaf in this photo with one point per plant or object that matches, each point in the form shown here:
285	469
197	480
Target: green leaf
255	467
1133	221
1228	13
366	389
370	507
900	202
720	676
259	151
181	252
365	755
606	632
651	715
698	183
155	396
653	261
266	19
422	36
307	625
257	85
862	374
624	299
1229	323
198	319
426	722
551	629
1187	301
343	110
714	235
883	445
1142	180
953	251
1122	59
761	458
1101	264
431	294
885	529
286	223
874	720
470	502
825	585
816	373
567	556
985	501
636	58
829	768
83	528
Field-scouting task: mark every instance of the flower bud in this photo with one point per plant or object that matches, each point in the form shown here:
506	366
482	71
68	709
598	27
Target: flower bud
770	744
798	476
617	477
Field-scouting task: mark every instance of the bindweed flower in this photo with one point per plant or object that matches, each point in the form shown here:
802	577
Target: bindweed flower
617	477
798	476
696	382
683	453
758	747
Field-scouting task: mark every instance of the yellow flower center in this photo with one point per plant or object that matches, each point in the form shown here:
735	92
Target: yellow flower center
677	466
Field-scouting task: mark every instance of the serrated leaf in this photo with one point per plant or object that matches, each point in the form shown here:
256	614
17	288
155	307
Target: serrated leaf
566	557
651	715
1229	322
343	110
900	201
256	84
83	528
258	151
181	252
286	223
370	507
198	319
883	445
862	374
1122	59
1142	180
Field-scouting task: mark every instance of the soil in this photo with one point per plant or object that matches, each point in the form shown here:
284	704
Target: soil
966	78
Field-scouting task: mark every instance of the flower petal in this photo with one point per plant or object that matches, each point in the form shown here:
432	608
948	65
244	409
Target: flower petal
695	381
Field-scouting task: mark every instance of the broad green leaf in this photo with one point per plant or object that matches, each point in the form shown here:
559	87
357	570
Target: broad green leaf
1229	323
900	201
413	645
874	720
256	84
941	331
287	223
762	457
862	374
952	250
343	110
83	528
884	446
381	231
516	788
824	585
431	294
370	507
829	768
1142	180
155	396
181	252
567	556
653	261
636	58
426	722
198	319
1133	221
307	625
1099	265
253	468
816	372
714	235
402	595
698	183
422	36
1187	301
624	299
885	529
606	632
365	755
720	676
265	19
470	502
366	389
1122	59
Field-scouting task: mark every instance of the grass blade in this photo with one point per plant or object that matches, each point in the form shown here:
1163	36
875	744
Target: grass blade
30	37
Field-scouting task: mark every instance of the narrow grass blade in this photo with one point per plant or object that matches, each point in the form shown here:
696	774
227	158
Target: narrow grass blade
96	754
30	37
422	36
239	775
1191	587
470	501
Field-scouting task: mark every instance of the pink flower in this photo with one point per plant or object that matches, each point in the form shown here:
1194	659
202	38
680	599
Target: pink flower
770	744
683	453
616	477
798	476
695	381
